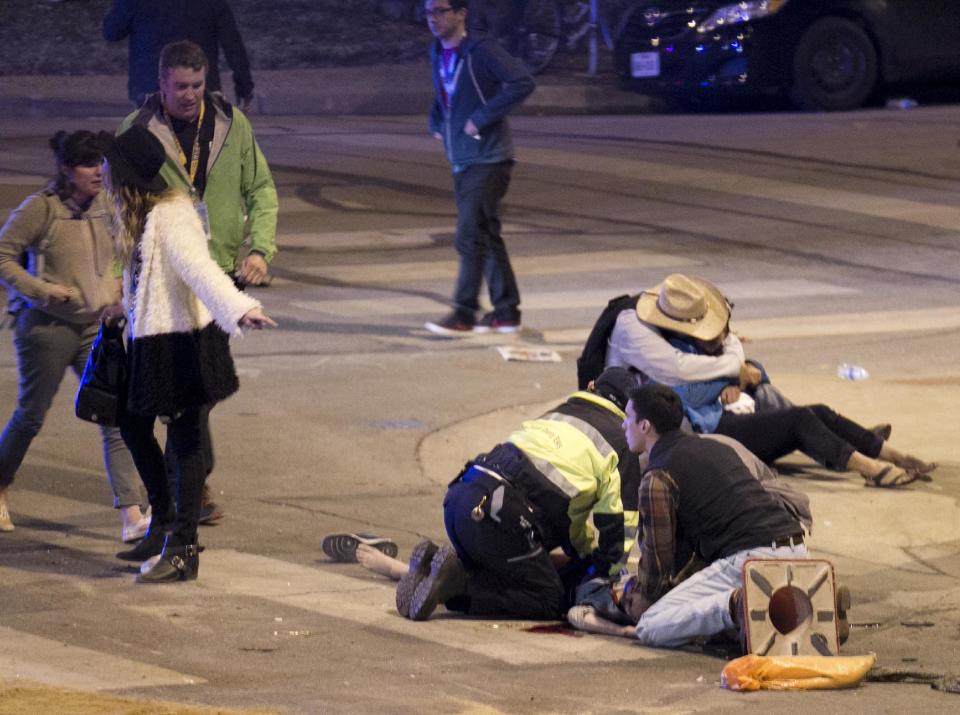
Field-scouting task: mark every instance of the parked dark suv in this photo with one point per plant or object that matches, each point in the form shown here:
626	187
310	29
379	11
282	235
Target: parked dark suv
826	54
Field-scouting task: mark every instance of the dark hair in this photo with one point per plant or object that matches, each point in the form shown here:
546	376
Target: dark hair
659	405
81	148
182	54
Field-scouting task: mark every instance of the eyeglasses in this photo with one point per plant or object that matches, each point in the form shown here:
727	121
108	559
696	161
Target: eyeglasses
437	12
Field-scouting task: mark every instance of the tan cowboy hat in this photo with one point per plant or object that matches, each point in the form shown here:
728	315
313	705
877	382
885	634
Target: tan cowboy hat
687	305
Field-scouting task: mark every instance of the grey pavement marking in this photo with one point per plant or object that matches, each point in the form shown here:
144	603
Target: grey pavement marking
369	602
539	265
550	300
53	662
810	326
760	187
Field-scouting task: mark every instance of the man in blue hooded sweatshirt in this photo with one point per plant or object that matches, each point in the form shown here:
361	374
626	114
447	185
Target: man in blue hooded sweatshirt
477	84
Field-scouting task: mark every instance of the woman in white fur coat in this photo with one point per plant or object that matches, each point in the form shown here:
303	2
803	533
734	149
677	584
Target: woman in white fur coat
181	310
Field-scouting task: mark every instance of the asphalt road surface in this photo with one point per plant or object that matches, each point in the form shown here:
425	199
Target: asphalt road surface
835	235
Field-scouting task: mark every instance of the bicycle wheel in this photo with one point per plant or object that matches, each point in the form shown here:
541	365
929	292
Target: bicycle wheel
538	35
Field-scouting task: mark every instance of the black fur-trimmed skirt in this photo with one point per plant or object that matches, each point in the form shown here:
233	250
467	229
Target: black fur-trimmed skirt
172	372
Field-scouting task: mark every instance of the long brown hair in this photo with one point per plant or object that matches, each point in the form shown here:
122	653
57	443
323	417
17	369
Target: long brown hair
131	205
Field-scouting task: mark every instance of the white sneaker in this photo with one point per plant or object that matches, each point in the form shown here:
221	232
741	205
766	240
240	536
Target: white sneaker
135	532
6	523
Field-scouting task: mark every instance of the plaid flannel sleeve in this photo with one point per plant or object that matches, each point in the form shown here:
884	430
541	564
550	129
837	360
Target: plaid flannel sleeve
658	506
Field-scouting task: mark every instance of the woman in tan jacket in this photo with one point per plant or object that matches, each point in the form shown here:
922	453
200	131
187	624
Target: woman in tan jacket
69	278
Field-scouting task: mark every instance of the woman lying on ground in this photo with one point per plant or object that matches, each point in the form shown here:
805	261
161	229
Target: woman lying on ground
679	336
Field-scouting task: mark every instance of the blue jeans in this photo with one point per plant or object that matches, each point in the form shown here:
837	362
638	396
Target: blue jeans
700	606
479	189
46	346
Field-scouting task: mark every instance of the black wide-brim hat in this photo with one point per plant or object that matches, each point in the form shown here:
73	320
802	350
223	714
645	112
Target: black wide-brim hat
135	158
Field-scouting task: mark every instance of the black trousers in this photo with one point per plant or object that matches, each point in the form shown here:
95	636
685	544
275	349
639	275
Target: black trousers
206	444
177	509
816	430
509	572
479	189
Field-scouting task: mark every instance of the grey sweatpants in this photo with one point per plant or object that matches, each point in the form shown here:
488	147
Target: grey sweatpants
46	346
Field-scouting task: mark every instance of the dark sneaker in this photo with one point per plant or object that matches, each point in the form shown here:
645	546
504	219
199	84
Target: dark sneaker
489	324
843	605
419	569
451	324
343	547
446	579
210	511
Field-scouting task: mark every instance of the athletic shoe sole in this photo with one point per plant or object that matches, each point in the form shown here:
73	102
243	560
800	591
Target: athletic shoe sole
420	559
427	595
438	329
503	329
343	547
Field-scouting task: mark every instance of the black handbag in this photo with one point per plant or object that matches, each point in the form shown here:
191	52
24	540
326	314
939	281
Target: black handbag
103	387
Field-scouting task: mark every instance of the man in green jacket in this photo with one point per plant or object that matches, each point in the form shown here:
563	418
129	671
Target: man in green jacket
213	156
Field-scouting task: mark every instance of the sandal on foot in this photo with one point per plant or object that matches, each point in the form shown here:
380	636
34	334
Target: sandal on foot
343	547
891	477
915	464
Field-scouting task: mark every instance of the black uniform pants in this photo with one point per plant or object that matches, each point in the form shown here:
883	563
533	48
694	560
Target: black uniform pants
509	572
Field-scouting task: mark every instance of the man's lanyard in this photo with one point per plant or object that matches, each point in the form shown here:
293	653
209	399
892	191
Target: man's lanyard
449	70
194	164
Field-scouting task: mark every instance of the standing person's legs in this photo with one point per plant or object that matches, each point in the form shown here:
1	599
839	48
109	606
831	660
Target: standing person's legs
185	434
179	560
700	606
209	510
501	280
138	435
45	347
469	191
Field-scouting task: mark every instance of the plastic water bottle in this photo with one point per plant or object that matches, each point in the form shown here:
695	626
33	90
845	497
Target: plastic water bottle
903	103
846	371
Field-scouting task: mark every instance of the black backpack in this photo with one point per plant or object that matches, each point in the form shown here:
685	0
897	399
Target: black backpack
593	358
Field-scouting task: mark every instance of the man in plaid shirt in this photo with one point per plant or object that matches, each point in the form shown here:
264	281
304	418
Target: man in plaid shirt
697	498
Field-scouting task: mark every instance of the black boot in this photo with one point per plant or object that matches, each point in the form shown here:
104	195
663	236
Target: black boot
177	562
149	546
